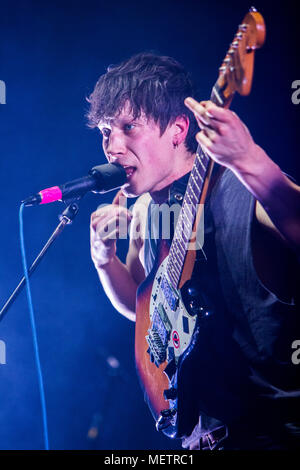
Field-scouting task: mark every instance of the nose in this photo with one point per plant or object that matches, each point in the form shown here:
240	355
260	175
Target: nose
114	146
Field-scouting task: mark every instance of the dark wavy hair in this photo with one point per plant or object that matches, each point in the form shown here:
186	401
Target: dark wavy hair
150	83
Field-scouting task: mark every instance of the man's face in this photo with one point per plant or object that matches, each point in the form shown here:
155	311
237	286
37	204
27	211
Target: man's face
137	145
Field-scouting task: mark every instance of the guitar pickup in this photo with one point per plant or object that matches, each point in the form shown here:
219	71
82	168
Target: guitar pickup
170	294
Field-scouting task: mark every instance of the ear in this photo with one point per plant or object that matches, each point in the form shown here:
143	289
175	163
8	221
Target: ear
180	129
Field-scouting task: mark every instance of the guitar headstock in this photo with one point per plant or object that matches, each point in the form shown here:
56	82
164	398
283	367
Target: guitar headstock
236	71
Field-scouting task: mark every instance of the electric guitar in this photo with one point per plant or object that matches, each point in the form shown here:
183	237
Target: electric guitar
170	310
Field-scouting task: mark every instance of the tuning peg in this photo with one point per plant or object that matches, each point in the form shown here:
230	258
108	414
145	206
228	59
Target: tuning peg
239	35
243	26
252	9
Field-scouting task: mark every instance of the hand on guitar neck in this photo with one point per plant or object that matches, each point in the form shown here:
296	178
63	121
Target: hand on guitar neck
223	135
227	140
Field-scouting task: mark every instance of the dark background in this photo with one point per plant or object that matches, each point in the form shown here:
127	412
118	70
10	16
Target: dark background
52	53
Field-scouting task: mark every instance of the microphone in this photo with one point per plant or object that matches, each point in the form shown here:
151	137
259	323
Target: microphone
101	179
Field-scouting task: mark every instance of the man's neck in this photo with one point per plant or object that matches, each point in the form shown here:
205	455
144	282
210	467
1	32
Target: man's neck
163	194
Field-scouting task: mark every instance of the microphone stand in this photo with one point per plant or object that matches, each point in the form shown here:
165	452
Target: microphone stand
66	218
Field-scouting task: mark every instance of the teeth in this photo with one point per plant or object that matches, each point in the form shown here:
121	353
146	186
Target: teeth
129	170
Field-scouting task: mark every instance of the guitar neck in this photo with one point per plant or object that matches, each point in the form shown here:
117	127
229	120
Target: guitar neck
193	201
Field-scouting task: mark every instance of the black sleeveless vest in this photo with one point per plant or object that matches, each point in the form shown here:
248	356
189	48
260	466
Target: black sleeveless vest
262	327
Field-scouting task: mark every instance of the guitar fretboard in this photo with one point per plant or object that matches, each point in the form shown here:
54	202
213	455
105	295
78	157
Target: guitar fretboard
184	227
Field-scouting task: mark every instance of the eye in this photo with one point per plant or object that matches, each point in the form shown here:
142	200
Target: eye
128	127
105	131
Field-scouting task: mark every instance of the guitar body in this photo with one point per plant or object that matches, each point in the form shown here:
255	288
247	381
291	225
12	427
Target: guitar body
178	323
153	379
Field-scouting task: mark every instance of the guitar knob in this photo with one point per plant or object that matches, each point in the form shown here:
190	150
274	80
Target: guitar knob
170	393
165	419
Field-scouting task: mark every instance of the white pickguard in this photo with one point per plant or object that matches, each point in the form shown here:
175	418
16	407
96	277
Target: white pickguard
183	324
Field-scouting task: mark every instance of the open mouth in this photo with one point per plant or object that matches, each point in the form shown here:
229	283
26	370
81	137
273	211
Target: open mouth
129	171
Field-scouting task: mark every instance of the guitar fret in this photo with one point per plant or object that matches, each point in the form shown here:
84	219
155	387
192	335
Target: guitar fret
178	244
188	196
195	182
171	281
170	268
177	265
187	207
194	198
187	225
182	246
175	261
193	192
204	160
183	236
184	229
197	171
172	278
186	221
174	255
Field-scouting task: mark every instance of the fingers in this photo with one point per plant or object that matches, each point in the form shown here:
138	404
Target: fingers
110	227
108	224
106	212
119	199
207	112
204	141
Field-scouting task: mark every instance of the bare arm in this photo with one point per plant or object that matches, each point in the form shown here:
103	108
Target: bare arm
119	286
120	281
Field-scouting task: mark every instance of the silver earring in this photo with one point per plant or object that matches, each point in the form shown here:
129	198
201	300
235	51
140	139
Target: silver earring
175	145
